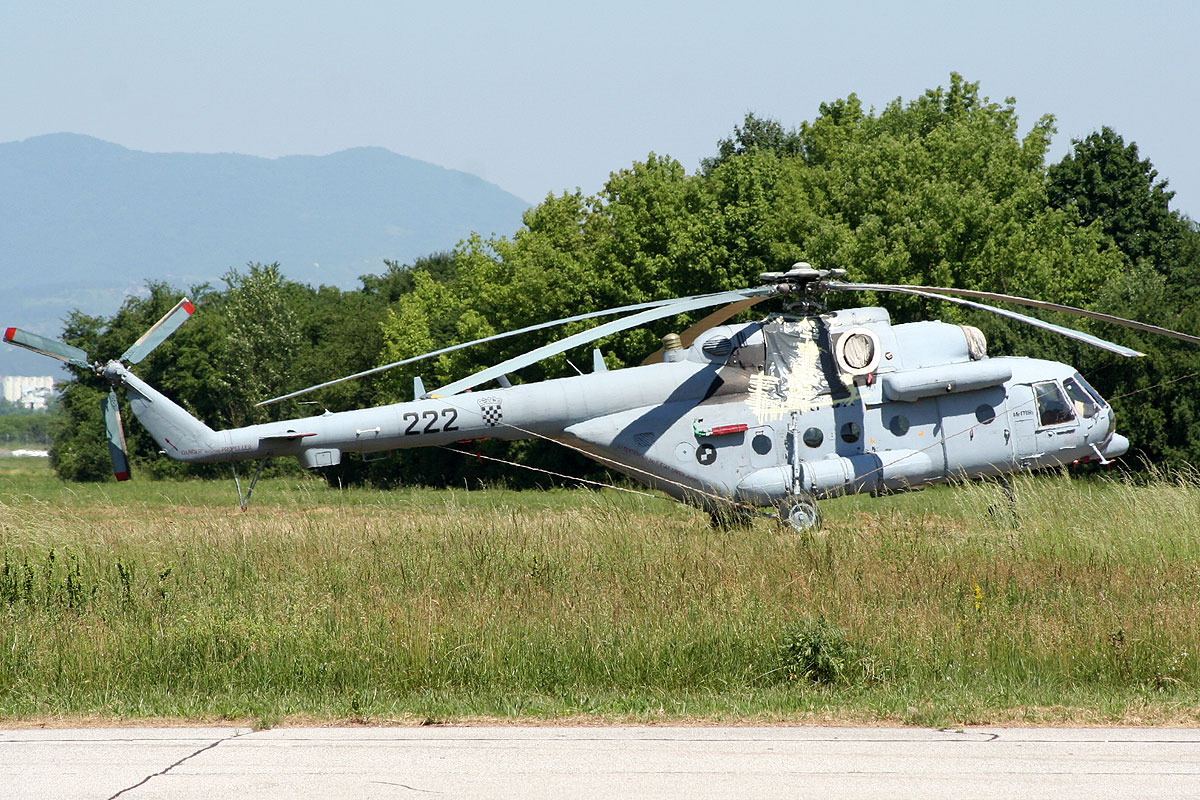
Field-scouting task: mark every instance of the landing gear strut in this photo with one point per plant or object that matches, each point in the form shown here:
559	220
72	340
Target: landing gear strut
244	500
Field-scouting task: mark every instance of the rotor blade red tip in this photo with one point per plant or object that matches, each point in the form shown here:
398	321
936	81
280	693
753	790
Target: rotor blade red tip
158	332
122	476
10	334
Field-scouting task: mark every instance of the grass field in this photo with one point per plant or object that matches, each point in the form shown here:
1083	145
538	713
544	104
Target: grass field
161	600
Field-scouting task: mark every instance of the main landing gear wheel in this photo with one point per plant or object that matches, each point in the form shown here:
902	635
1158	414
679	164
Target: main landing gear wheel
802	513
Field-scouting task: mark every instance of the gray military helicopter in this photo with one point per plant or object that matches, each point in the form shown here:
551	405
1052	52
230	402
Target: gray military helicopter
731	417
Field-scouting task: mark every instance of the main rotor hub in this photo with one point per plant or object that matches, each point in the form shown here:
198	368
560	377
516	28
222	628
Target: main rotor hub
802	278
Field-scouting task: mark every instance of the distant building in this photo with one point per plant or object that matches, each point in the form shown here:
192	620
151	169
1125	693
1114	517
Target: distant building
29	392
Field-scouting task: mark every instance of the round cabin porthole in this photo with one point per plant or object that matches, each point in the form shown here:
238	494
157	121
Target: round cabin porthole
985	414
899	425
813	437
761	443
851	432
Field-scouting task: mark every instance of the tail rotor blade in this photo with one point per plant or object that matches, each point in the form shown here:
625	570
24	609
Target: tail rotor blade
116	436
47	347
159	332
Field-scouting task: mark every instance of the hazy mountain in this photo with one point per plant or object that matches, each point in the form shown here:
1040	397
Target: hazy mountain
84	222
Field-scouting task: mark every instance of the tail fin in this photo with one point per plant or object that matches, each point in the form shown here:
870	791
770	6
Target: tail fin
177	432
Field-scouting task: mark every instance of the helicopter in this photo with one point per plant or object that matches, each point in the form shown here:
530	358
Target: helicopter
777	413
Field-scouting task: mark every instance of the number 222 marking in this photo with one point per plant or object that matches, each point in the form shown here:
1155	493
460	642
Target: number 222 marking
432	425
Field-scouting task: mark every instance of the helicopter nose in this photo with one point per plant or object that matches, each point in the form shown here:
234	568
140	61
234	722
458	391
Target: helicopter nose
1117	445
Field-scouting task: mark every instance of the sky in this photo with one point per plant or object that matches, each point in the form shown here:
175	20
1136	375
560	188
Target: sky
546	97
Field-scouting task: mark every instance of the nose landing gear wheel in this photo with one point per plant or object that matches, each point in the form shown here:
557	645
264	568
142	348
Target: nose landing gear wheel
802	513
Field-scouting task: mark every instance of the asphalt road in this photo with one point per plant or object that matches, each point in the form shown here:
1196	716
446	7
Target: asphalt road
567	762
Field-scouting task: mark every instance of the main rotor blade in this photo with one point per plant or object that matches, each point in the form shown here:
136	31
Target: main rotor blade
711	321
600	331
159	331
1072	310
1082	312
1070	333
496	337
47	347
115	432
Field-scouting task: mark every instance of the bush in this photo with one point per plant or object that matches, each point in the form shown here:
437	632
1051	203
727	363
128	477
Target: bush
818	651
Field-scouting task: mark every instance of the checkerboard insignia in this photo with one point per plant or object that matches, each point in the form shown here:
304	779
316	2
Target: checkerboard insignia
489	407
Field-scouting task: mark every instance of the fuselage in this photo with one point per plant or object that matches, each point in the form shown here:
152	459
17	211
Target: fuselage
759	412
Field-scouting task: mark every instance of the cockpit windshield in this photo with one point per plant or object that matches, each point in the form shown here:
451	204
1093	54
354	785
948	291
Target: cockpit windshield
1082	381
1085	405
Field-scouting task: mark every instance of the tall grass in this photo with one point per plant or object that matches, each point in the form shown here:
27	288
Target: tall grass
1077	602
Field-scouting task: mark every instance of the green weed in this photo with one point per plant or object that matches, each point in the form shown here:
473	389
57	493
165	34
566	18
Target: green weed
818	651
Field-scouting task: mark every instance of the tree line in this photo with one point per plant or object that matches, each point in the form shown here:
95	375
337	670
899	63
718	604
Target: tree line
939	190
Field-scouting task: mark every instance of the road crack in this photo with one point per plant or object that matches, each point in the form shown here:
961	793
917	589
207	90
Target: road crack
170	767
406	786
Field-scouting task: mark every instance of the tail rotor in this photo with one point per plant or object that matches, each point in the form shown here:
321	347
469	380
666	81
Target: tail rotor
113	372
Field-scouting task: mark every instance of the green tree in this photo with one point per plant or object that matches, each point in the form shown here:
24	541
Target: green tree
25	430
1106	185
755	134
939	191
263	343
1105	181
397	279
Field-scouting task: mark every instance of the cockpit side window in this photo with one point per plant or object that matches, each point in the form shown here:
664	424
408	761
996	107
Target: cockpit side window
1085	405
1053	408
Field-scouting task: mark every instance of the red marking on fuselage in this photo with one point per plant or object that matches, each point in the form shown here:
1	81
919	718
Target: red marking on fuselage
721	430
